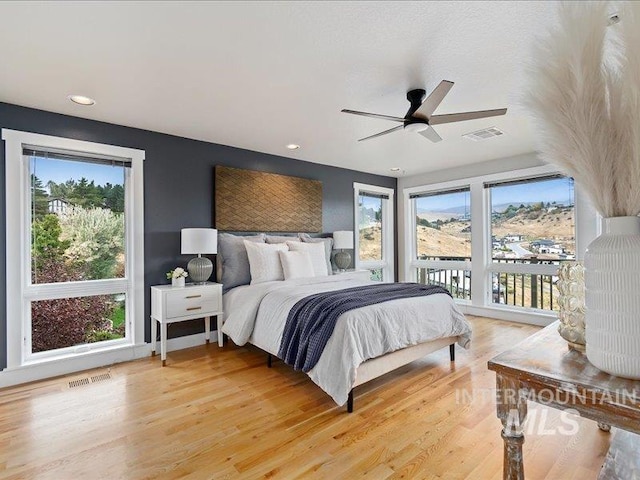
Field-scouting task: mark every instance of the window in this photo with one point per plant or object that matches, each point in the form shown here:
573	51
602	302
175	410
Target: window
374	231
442	239
77	230
78	282
496	242
532	231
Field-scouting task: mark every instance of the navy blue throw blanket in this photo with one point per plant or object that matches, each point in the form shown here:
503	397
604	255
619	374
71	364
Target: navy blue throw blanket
311	321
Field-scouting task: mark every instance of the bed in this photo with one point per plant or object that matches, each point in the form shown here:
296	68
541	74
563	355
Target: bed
367	342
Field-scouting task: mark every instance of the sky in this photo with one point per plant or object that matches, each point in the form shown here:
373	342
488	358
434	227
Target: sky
370	202
60	171
559	190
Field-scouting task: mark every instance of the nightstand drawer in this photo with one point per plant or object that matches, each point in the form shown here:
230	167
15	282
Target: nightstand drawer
192	301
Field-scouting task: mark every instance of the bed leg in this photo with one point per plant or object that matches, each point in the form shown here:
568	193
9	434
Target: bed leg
268	360
350	402
452	352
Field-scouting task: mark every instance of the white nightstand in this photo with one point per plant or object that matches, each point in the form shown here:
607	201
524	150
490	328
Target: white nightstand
359	274
177	304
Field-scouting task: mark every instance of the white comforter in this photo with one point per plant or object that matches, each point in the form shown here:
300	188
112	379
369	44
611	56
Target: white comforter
257	314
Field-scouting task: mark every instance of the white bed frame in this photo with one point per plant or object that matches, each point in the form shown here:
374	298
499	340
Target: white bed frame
376	367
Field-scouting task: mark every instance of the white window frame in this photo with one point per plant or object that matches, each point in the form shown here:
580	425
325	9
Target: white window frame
482	265
387	264
20	291
413	263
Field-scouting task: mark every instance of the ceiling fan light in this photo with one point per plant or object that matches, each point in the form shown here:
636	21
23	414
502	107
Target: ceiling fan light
415	127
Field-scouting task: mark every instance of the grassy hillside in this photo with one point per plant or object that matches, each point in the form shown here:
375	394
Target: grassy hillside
446	241
453	238
558	226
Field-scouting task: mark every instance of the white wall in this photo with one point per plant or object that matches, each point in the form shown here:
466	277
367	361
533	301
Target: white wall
485	168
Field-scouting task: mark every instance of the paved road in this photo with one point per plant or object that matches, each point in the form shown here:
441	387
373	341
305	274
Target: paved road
518	250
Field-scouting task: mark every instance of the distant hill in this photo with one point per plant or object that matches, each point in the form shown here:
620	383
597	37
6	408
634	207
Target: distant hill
461	210
533	223
503	206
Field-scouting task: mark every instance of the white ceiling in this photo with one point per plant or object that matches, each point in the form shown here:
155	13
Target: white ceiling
260	75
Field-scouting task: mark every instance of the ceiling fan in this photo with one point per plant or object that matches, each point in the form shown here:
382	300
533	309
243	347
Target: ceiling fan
420	118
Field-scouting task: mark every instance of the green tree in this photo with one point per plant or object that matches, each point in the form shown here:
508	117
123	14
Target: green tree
113	196
39	198
85	193
46	245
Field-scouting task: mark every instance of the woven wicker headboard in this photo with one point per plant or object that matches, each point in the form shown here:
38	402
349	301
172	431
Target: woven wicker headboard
251	201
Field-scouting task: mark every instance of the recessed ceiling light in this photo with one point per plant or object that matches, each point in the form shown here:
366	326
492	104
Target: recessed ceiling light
81	100
395	169
293	146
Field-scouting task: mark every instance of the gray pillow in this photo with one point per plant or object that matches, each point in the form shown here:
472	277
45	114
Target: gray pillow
233	261
282	238
328	246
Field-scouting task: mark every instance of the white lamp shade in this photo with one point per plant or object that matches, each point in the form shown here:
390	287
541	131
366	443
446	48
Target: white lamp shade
342	239
199	240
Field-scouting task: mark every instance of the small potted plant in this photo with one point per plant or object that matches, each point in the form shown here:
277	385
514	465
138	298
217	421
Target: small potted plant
177	276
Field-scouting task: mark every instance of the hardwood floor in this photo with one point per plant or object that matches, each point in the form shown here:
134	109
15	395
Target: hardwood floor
221	414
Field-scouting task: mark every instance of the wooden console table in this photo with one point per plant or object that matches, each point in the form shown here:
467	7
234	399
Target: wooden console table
543	369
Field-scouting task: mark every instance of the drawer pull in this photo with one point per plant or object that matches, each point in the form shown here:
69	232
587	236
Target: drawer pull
193	296
194	308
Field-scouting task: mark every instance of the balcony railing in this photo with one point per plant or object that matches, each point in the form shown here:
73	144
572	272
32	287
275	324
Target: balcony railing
524	289
458	282
528	290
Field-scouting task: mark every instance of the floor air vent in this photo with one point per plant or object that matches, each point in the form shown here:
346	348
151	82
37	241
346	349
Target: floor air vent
89	380
79	383
101	378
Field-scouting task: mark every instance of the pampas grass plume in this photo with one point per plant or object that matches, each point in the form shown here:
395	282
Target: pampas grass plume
585	100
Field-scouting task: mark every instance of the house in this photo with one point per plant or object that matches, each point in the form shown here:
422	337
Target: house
135	104
58	206
513	238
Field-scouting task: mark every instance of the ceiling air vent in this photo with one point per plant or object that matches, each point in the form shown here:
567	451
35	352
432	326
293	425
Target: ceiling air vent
483	134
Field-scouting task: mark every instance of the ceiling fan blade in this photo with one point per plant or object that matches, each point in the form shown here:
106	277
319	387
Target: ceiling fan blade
433	100
399	127
461	117
431	134
373	115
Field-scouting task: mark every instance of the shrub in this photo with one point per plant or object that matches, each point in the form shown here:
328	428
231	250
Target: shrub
96	241
46	245
65	322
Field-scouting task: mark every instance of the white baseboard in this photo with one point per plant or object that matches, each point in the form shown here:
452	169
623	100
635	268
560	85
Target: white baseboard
511	315
95	359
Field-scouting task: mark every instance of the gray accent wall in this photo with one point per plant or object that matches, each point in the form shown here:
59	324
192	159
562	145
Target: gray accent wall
178	190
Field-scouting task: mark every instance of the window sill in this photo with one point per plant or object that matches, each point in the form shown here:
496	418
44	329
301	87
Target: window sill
517	315
81	351
63	365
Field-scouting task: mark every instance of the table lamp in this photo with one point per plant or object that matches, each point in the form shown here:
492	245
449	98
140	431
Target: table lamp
199	241
342	239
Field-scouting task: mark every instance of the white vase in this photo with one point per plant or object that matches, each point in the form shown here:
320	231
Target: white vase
177	282
612	296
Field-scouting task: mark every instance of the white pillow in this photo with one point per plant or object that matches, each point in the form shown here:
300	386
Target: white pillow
264	261
296	265
316	252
